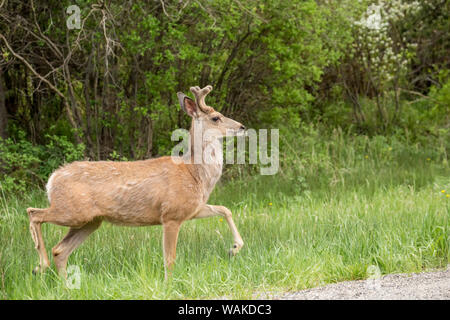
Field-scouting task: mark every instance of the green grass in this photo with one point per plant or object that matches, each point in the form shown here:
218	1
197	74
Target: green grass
335	208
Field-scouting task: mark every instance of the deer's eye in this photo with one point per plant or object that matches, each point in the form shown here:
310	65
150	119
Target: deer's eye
215	119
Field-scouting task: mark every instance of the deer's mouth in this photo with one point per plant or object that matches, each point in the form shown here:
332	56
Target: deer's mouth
236	132
241	132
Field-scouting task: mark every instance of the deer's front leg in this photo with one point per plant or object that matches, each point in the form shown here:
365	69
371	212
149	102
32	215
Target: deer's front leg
170	238
212	211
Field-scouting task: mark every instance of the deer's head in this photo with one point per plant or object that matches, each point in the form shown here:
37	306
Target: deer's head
210	121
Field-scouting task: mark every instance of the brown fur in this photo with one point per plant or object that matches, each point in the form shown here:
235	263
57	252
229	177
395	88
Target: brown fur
138	193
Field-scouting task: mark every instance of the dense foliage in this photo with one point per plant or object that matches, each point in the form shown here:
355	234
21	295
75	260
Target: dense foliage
359	89
106	90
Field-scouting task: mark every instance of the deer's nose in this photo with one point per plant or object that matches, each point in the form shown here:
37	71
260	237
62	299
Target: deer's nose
242	127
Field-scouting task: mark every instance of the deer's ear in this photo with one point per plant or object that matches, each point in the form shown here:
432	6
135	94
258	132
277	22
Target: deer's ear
187	104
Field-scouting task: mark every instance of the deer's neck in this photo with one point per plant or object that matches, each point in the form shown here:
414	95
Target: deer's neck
206	162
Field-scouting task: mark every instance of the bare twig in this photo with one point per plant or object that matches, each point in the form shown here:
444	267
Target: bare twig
50	85
28	65
54	48
250	12
417	94
164	9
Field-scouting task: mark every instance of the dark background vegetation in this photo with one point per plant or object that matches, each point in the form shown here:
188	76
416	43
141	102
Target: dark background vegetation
360	91
309	68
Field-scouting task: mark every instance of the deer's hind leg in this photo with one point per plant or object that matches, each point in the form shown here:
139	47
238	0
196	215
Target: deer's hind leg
70	242
36	219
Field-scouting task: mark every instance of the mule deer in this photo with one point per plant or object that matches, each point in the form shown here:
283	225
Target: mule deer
157	191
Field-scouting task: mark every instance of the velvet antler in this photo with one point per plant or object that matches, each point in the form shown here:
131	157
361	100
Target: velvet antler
200	95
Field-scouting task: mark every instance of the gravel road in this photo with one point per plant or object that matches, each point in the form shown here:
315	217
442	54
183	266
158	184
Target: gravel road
433	285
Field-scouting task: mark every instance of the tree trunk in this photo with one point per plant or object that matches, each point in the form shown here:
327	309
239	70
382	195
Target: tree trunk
149	138
3	112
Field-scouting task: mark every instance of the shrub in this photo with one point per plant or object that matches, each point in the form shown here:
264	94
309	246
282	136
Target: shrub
23	164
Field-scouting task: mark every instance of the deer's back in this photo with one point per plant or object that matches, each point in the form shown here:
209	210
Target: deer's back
128	193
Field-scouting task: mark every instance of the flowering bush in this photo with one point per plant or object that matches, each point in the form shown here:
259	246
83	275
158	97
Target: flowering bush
380	48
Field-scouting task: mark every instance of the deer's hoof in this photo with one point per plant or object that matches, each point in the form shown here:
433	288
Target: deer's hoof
37	270
233	251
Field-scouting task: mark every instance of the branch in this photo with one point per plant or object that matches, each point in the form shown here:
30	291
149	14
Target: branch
164	10
51	44
51	86
417	94
28	65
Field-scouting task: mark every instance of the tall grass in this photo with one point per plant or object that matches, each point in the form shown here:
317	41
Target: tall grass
339	204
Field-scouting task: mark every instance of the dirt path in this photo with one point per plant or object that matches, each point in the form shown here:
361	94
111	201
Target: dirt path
433	285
